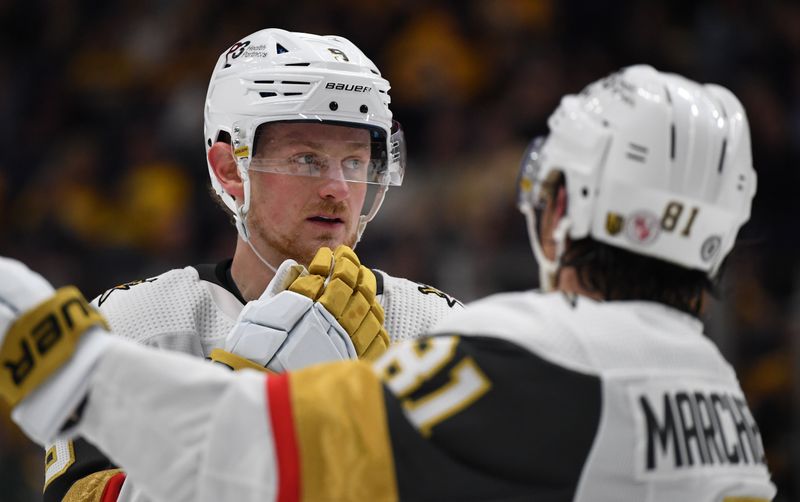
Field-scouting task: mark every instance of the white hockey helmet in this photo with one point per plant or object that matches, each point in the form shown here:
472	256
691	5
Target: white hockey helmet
276	75
654	163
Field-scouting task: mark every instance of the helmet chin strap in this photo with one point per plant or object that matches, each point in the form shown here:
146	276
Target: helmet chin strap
548	269
244	233
240	217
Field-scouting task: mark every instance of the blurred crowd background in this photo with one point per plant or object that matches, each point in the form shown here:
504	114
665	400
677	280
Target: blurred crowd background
103	178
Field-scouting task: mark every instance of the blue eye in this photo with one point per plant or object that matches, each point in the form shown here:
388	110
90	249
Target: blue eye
353	164
308	164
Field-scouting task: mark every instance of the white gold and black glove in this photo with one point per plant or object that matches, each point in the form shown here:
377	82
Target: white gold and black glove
49	344
304	317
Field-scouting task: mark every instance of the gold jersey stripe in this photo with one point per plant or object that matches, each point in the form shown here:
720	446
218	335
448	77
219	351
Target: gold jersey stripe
235	361
342	433
90	488
41	340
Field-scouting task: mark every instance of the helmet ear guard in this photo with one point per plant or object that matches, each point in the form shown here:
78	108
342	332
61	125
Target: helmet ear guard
654	163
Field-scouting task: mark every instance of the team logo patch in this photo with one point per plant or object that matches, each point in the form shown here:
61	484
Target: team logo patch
614	223
430	290
242	151
710	247
123	287
642	227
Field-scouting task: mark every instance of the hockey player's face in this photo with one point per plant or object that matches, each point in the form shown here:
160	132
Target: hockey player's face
296	215
550	210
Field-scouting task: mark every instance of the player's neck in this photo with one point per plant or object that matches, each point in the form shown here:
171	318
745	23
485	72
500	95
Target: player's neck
249	273
568	282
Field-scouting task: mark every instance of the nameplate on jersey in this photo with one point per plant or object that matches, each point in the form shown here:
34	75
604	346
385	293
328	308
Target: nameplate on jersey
693	428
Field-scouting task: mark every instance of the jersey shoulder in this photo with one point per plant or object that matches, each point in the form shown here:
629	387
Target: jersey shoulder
593	336
177	310
131	293
535	321
412	308
627	379
507	400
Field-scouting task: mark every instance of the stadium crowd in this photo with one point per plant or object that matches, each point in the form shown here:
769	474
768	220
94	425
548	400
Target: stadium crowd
103	177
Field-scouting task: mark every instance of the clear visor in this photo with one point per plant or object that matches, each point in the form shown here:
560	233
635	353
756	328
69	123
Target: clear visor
353	153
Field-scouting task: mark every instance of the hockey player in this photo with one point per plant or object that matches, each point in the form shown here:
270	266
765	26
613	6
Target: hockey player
301	149
604	390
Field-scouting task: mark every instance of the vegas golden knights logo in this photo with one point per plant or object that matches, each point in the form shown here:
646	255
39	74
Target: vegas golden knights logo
614	223
123	287
429	290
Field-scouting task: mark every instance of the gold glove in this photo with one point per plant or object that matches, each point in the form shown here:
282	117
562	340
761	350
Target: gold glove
347	290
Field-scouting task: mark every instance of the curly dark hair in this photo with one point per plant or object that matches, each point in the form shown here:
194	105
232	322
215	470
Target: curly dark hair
619	274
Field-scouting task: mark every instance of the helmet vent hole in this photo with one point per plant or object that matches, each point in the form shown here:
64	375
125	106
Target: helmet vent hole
722	155
364	109
263	81
292	93
382	92
279	49
297	64
672	142
585	192
294	82
266	94
373	71
209	141
637	153
333	106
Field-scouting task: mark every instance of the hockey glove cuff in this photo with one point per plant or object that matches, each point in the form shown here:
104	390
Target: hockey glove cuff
285	332
49	344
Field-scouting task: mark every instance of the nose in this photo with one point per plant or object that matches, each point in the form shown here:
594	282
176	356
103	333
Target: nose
334	186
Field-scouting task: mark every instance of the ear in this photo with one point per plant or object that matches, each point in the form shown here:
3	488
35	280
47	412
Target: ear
561	203
221	160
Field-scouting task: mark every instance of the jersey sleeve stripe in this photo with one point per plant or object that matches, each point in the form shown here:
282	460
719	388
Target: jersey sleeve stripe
343	433
93	488
113	487
283	431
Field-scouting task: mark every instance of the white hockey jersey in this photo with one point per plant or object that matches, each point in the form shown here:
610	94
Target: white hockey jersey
625	401
519	397
191	310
